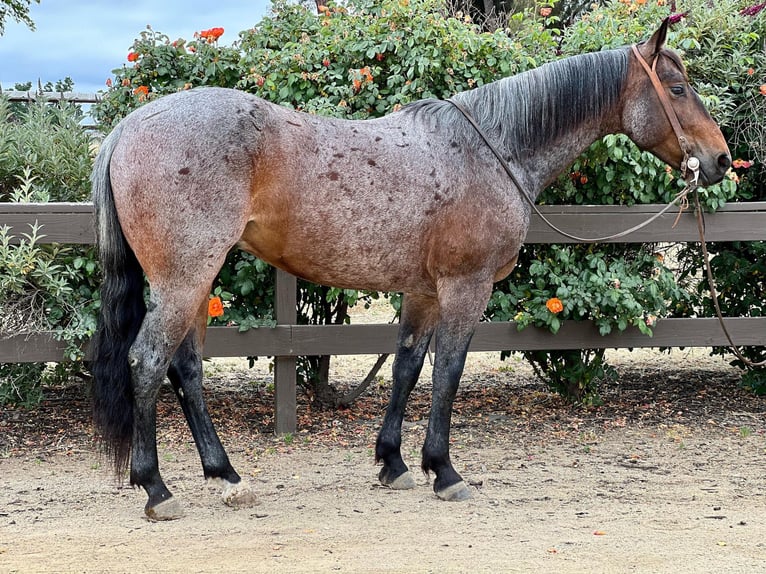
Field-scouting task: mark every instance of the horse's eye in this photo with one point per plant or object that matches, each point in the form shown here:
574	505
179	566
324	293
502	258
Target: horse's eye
677	90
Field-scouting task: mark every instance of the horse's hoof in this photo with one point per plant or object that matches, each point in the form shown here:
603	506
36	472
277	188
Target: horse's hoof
239	495
404	481
168	509
455	493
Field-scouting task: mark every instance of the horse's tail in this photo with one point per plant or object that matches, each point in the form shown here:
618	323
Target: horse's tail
122	311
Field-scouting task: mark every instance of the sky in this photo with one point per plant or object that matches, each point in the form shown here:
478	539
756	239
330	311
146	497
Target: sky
87	39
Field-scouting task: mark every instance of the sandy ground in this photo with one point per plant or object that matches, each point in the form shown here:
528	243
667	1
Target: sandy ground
556	489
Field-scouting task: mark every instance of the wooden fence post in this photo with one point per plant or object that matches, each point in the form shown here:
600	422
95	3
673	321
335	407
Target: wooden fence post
285	302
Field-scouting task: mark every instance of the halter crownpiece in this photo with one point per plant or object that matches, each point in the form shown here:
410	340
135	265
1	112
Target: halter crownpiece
683	143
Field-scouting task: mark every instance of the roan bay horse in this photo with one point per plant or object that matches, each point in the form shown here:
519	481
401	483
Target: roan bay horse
414	202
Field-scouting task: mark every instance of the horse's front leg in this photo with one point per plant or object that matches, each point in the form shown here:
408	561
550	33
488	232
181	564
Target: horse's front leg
417	324
461	305
185	375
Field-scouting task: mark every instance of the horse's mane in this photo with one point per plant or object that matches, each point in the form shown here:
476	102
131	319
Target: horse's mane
527	111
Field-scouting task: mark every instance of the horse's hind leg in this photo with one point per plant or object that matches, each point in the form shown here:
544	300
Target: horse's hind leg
170	315
185	375
149	359
419	315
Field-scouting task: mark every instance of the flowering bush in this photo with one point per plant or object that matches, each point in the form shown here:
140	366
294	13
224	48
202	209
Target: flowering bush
159	66
577	282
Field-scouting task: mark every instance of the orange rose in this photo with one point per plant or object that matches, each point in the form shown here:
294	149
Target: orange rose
215	307
554	305
211	35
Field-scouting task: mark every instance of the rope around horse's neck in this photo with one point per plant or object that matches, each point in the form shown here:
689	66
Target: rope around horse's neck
691	186
680	196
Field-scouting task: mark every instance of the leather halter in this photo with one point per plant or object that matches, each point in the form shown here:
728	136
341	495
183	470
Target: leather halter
651	71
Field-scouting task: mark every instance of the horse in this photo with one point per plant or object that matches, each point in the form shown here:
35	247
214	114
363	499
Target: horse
414	202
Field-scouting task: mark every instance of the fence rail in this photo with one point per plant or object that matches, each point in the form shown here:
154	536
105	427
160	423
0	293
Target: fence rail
35	96
73	223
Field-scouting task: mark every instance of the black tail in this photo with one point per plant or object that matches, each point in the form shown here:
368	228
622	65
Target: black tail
122	311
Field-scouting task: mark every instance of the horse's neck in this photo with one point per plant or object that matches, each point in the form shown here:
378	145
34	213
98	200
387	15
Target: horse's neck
544	119
542	166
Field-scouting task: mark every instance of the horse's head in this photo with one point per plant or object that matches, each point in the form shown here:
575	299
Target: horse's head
665	116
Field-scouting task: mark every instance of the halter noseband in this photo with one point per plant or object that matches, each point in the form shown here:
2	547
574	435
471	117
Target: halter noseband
688	161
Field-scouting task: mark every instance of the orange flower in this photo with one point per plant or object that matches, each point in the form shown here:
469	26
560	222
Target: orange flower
211	35
750	71
554	305
545	12
132	56
109	82
762	89
741	163
215	307
141	91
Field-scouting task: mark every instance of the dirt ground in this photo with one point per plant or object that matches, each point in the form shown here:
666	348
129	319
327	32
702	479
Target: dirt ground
667	476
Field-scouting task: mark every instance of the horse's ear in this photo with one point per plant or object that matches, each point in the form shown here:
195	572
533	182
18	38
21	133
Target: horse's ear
656	43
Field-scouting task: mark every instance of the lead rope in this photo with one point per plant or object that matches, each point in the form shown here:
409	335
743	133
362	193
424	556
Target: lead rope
713	293
680	196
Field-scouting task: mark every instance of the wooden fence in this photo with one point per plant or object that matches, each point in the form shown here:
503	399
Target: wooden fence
72	223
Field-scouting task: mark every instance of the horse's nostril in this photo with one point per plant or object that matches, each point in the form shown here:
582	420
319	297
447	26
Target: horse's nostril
724	161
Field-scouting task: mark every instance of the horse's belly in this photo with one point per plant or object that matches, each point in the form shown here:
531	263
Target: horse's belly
346	258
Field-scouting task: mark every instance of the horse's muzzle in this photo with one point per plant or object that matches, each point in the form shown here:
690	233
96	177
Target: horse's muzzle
713	170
